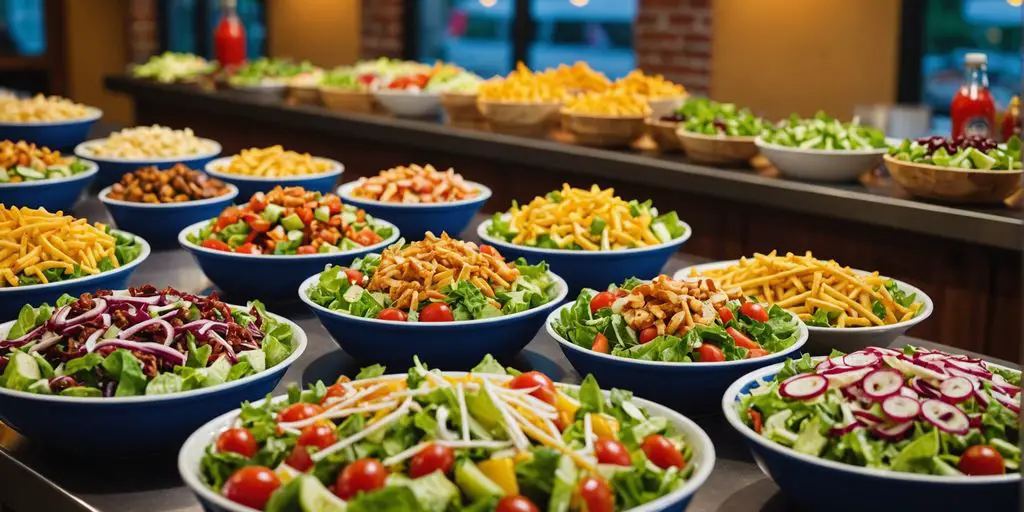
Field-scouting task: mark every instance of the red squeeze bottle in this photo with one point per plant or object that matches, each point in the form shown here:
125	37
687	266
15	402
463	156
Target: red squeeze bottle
229	37
973	111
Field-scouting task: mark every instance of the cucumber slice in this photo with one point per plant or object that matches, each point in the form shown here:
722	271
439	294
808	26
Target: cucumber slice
314	497
29	173
475	483
981	160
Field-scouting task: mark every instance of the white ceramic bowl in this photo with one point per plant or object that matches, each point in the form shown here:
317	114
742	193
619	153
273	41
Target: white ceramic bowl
703	455
409	103
662	107
820	164
824	339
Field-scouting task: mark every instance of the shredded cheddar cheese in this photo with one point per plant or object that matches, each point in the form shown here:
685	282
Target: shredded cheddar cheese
34	240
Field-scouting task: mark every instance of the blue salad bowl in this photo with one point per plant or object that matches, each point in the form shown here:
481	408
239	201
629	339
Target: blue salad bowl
59	194
249	185
592	269
448	345
416	219
266	276
825	485
133	424
112	169
160	223
692	388
62	135
703	458
13	298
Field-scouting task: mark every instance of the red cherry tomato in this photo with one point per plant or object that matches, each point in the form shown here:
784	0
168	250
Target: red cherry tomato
648	334
757	352
260	225
216	245
710	353
392	314
741	339
354	276
546	391
725	314
601	300
610	451
432	458
333	391
516	504
299	459
662	452
982	459
600	344
237	440
247	248
437	312
251	486
317	435
305	249
299	412
597	494
363	475
754	311
491	251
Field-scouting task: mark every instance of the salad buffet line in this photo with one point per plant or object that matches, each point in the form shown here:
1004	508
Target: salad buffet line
795	353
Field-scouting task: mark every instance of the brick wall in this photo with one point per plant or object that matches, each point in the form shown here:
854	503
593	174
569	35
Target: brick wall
382	28
143	39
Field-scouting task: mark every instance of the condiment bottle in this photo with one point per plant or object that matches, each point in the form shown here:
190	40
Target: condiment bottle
229	37
973	111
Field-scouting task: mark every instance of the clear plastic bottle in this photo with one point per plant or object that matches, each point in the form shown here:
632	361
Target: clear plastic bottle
973	111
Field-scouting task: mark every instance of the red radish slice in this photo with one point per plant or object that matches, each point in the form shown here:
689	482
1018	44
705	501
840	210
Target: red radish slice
909	393
856	393
841	430
975	420
956	372
1012	404
804	387
867	418
882	383
956	389
842	377
945	417
932	357
882	351
861	358
828	364
906	365
972	368
917	385
892	432
901	408
981	396
1000	382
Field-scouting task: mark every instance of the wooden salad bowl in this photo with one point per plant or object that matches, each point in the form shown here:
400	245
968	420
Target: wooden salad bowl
343	100
718	149
604	131
461	109
520	118
664	134
952	184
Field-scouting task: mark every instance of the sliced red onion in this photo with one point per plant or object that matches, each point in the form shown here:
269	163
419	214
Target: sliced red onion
48	340
945	417
156	349
842	377
971	368
174	306
169	315
220	326
804	387
90	342
901	408
861	358
892	432
167	327
1012	404
230	352
882	383
956	389
131	298
23	339
195	324
98	308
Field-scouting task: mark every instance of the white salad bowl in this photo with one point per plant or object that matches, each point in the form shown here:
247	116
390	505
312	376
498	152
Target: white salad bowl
832	165
416	104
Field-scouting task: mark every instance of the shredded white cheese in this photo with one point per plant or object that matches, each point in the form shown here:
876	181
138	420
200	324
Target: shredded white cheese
460	394
348	441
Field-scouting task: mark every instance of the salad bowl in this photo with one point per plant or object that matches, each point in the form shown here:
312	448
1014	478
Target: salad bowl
56	194
661	107
821	484
416	219
717	149
820	164
159	223
269	90
340	99
461	109
248	185
664	134
111	169
952	184
60	135
413	104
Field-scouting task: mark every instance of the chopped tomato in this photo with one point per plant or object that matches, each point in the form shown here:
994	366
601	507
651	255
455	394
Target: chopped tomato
216	245
601	300
247	248
237	440
437	312
333	204
757	352
982	459
648	334
600	344
545	391
662	452
354	276
320	436
305	214
305	249
333	391
251	486
610	451
299	412
432	457
393	315
754	311
755	419
299	458
363	475
491	251
710	354
741	339
258	202
596	494
228	217
259	225
366	236
725	314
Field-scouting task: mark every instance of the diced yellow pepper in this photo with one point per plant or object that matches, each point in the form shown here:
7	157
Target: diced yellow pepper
502	472
563	404
605	426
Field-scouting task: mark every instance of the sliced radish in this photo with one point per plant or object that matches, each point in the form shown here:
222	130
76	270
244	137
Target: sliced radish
909	393
901	408
945	417
882	383
828	364
907	366
956	389
982	397
803	387
1000	382
856	393
972	368
975	420
883	351
1012	404
923	388
861	358
867	418
842	377
956	372
892	432
933	357
842	430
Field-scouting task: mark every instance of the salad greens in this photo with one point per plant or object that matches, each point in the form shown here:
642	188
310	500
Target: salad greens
825	133
171	67
703	116
963	153
265	71
444	442
38	171
825	318
126	249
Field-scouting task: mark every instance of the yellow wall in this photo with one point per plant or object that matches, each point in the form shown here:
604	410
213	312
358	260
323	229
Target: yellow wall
325	32
799	56
96	46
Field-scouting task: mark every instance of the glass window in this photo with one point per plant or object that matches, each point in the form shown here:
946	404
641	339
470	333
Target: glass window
22	28
599	32
475	34
181	26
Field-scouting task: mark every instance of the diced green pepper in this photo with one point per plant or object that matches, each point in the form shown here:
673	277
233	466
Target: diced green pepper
292	222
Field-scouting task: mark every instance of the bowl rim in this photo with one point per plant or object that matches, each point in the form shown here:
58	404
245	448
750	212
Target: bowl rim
732	394
274	84
130	267
563	291
481	231
746	139
211	168
232	193
191	247
926	301
763	144
94	114
520	103
694	434
605	117
335	89
344	190
81	148
795	347
93	168
404	93
298	335
674	125
891	159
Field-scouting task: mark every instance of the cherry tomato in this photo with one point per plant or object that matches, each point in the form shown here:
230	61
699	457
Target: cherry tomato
237	440
755	419
546	390
333	391
216	245
317	435
354	276
260	225
601	300
363	475
247	248
258	202
648	334
662	452
516	504
710	353
610	451
305	249
366	236
600	344
725	314
437	312
432	458
251	486
754	311
299	459
299	412
741	339
982	459
491	251
597	494
757	352
392	314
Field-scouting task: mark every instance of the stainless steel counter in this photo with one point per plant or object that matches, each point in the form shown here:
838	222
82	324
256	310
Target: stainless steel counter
32	479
